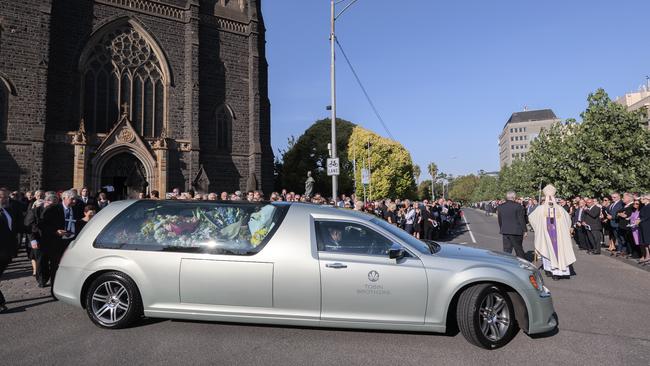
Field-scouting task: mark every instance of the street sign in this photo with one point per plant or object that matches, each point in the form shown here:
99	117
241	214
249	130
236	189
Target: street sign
365	176
333	166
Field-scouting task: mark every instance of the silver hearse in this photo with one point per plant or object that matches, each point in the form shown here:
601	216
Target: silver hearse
293	264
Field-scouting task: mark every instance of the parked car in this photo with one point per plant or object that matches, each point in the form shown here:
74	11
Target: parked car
293	264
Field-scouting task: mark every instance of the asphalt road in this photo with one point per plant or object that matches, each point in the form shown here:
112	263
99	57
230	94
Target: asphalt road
604	316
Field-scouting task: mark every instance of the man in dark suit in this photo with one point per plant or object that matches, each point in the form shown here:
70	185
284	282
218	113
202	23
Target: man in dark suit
58	228
427	222
612	215
33	224
578	225
331	238
18	209
512	225
593	226
85	199
9	228
623	224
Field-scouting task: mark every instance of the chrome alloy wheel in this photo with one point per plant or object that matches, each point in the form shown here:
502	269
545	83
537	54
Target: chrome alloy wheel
494	316
110	302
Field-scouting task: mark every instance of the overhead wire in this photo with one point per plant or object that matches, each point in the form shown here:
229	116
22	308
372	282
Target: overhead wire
363	89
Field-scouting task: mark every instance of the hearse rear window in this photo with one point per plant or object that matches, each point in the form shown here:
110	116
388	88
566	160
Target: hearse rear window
196	227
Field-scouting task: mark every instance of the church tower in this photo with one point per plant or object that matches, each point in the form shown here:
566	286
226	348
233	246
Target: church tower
241	127
136	95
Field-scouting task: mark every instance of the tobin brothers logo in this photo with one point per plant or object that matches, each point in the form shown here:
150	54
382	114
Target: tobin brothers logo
373	288
373	276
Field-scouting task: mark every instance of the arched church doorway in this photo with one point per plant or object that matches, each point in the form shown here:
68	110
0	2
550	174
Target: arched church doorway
124	177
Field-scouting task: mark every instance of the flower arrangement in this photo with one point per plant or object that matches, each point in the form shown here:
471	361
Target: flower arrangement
226	227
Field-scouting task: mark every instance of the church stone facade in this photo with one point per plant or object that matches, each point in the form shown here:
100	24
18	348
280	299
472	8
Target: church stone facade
139	95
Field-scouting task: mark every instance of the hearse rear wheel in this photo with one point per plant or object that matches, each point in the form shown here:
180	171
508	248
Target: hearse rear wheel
113	301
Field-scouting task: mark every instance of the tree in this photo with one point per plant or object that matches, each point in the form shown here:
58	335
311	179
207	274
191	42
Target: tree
487	189
553	156
310	153
518	178
462	189
390	163
424	190
608	151
416	172
613	148
432	169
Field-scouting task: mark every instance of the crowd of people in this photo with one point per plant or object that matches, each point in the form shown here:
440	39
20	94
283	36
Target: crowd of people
45	222
618	223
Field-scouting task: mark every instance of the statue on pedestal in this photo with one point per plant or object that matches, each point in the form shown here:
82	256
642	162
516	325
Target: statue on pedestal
309	185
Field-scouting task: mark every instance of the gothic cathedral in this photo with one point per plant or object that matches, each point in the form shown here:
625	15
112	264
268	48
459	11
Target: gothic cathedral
135	95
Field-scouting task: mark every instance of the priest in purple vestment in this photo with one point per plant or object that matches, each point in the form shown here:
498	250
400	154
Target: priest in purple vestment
553	242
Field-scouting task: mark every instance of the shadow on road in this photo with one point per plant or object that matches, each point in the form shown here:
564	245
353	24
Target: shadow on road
545	335
15	274
22	308
144	322
32	299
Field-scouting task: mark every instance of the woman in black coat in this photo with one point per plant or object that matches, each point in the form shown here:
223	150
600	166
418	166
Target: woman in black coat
644	230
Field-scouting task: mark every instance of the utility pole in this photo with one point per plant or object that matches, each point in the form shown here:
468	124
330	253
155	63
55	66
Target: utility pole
369	173
335	178
333	18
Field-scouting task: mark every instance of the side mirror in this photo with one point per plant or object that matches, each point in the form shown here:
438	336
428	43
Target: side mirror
396	252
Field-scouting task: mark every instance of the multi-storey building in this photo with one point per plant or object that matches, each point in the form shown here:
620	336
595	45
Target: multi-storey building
518	132
637	100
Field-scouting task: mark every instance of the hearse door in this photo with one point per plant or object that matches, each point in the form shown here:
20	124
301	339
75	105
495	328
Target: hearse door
360	283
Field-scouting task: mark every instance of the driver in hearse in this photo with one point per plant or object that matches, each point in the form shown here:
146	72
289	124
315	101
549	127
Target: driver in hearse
333	239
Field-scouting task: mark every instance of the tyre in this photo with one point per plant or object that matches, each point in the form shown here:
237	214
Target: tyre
486	316
113	301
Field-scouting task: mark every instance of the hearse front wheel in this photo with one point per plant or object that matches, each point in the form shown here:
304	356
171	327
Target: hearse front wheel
486	316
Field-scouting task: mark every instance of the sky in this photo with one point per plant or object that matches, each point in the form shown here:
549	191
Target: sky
446	75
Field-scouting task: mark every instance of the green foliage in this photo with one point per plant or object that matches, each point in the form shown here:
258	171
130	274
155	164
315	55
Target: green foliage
553	157
517	177
432	169
416	172
424	190
607	152
310	152
487	189
462	189
613	148
390	163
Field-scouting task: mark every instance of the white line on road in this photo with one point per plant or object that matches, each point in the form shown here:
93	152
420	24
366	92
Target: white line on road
469	229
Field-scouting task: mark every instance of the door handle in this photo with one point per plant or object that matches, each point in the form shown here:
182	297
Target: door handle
336	265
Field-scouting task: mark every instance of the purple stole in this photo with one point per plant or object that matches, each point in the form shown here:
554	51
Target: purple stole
551	227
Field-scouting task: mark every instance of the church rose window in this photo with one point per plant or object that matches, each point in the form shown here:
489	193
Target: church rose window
124	70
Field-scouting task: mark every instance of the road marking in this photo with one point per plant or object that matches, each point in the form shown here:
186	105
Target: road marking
469	229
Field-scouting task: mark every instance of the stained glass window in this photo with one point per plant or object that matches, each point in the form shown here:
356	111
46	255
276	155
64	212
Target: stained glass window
124	67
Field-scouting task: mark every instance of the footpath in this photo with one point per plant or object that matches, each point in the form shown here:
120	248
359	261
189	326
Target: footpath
604	252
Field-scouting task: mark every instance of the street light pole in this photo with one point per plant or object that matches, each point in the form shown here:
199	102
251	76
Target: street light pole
333	89
333	18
